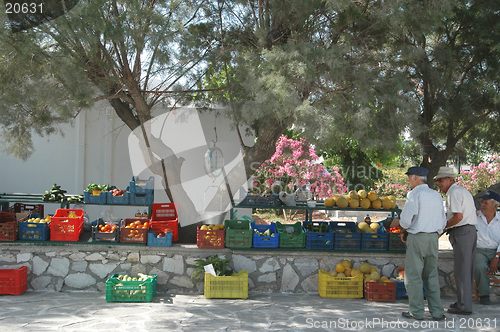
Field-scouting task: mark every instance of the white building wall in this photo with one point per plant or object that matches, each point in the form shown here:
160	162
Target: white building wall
94	148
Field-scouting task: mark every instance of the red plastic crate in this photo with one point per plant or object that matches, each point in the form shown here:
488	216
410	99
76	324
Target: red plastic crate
380	291
63	228
164	211
30	208
133	235
210	239
164	218
9	230
14	281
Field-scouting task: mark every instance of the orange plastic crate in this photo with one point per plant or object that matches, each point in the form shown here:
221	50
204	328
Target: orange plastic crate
380	291
14	281
210	239
164	218
133	235
9	230
63	228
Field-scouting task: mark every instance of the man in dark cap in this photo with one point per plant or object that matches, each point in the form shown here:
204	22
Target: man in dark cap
424	219
488	244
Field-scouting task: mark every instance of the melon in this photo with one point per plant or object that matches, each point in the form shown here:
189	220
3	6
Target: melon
377	204
354	203
342	202
329	202
365	203
372	196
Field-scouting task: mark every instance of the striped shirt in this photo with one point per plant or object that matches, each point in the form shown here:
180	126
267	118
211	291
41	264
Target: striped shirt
423	211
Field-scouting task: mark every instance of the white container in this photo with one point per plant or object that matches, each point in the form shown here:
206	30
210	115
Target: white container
311	203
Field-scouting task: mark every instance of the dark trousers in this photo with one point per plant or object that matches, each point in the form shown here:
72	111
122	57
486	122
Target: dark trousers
463	240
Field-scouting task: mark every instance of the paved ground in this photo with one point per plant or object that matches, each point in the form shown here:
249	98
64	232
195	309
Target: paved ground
50	311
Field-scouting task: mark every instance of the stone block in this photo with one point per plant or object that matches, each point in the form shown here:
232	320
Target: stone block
289	280
79	280
244	263
58	267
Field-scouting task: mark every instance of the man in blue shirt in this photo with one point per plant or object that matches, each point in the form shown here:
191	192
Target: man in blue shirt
423	219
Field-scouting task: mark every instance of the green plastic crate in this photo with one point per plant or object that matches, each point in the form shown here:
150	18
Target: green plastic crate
238	234
130	291
291	235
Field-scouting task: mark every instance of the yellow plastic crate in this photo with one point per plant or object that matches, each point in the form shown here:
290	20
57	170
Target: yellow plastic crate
340	288
227	287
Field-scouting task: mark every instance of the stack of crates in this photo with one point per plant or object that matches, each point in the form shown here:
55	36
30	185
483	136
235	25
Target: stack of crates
164	218
141	191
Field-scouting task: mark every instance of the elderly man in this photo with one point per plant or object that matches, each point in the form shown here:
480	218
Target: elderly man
424	219
461	228
488	244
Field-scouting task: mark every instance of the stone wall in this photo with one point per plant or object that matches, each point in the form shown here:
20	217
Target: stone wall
85	267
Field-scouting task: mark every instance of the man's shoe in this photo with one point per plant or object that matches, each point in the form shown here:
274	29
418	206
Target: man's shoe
439	318
485	300
408	314
454	305
457	311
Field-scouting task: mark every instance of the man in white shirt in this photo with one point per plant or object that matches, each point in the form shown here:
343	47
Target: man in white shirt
488	244
461	228
423	219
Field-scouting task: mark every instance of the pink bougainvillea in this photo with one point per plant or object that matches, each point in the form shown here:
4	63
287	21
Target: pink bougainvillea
295	165
482	176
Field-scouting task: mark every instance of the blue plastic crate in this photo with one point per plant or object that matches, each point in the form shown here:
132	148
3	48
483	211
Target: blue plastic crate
88	198
138	186
318	240
374	241
141	199
265	241
117	200
347	235
34	231
401	289
153	241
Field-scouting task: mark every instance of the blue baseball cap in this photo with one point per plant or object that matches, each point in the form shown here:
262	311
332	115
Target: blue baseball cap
491	195
416	170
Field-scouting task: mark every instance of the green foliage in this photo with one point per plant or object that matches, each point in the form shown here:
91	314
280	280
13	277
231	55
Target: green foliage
221	266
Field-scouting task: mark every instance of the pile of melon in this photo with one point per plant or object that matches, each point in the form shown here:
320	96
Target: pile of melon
361	199
369	273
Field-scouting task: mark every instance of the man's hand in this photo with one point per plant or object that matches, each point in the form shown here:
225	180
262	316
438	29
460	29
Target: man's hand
494	265
395	222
